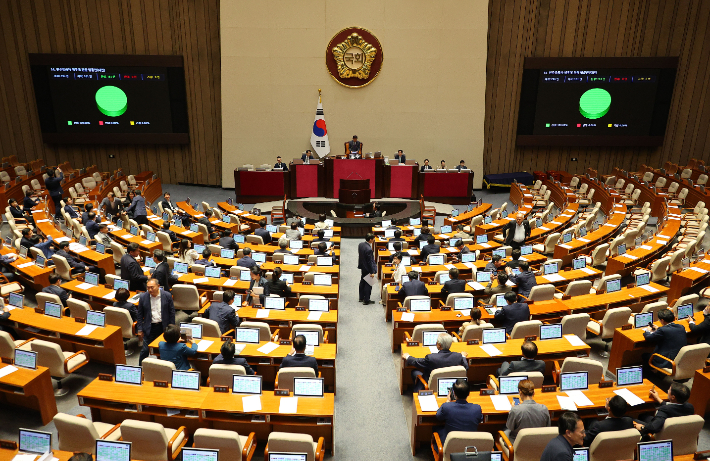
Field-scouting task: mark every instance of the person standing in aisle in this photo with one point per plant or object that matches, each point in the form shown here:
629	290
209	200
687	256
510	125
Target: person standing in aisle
54	187
367	266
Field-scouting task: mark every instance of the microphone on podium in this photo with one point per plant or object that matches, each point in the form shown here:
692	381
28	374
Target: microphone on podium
354	172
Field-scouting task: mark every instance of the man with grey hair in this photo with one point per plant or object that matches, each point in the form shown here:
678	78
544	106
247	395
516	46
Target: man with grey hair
515	232
443	358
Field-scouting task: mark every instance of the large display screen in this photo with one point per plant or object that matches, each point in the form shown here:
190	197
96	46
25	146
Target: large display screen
595	101
110	98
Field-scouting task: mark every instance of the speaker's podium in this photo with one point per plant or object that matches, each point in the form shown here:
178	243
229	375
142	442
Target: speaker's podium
354	191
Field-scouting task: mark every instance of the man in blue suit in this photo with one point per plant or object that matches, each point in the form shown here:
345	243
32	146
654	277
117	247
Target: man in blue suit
367	266
443	358
458	414
155	312
669	338
414	287
262	232
525	280
140	215
297	357
514	312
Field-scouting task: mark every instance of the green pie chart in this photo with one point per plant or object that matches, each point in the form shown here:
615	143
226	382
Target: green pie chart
111	101
594	103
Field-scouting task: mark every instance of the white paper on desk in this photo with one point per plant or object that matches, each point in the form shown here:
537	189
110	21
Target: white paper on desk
21	266
62	239
203	345
575	340
646	247
485	245
185	233
588	270
631	398
84	286
610	225
631	257
705	261
566	403
407	317
428	402
661	242
413	252
449	266
110	295
416	268
42	220
582	239
697	269
649	288
146	242
433	350
251	403
199	215
239	347
579	398
304	268
543	228
501	402
565	246
555	223
86	330
230	283
391	252
76	248
470	265
25	457
491	350
7	370
200	280
442	236
288	405
314	315
476	286
172	411
268	348
262	313
553	277
370	280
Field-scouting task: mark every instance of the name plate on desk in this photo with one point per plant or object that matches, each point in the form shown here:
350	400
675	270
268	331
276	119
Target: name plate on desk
39	310
472	342
278	262
281	392
105	377
531	338
8	444
706	370
285	342
388	265
488	392
626	327
311	264
566	297
401	309
301	308
445	308
7	360
222	389
160	384
603	384
432	283
426	392
549	388
79	320
304	283
412	343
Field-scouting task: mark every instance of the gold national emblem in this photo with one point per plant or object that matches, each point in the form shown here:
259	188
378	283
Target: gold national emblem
354	57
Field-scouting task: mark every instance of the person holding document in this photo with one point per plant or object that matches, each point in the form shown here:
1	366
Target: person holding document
367	266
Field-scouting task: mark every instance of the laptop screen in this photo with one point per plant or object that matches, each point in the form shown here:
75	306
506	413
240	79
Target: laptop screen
613	285
287	456
445	230
487	220
453	242
415	221
324	280
420	305
483	276
96	318
119	283
499	252
213	272
407	260
621	249
16	300
149	262
188	380
643	279
196	329
119	223
443	278
199	248
291	260
445	385
580	454
574	381
566	238
526	250
287	277
239	238
684	311
509	384
274	303
180	268
40	261
416	231
246	384
550	268
500	301
227	254
247	335
661	450
295	244
114	451
308	387
312	336
463	303
626	376
496	456
128	375
52	309
134	230
35	441
26	359
324	261
482	239
258	257
91	278
642	320
493	336
194	228
553	331
100	248
389	233
468	257
579	263
429	337
150	236
244	275
272	228
318	305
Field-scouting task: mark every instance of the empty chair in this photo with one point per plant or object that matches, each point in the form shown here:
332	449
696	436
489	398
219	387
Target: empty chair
543	201
613	319
634	198
78	308
684	431
441	373
289	442
419	330
574	182
600	284
576	288
647	176
473	331
575	364
210	328
585	202
702	180
285	376
8	345
653	308
687	299
549	245
529	443
61	364
673	189
255	239
614	445
544	292
157	370
686	174
186	297
264	330
221	375
527	328
575	324
231	445
78	434
598	257
457	441
322	337
689	359
680	200
120	317
47	297
152	441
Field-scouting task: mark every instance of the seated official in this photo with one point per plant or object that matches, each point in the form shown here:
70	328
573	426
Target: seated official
525	280
669	338
6	261
462	166
206	221
262	232
77	267
702	329
205	260
495	264
246	261
122	295
442	165
44	245
280	164
283	247
376	211
307	157
527	413
321	224
227	241
69	208
397	236
527	362
227	357
502	278
426	165
19	213
514	312
323	250
28	202
423	236
26	236
173	349
475	320
223	313
258	281
457	413
186	254
396	247
297	357
320	237
293	233
460	233
171	235
677	405
296	218
461	249
431	248
131	270
571	434
615	421
162	272
91	225
277	286
400	155
55	288
414	287
454	284
444	358
515	261
88	208
104	237
399	268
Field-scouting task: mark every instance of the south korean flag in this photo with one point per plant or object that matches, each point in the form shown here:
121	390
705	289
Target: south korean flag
319	135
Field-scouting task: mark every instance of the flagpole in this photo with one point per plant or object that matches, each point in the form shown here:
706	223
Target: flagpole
319	95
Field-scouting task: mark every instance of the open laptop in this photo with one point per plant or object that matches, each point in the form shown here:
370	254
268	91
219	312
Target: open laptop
526	250
642	319
312	336
323	280
445	230
115	451
199	248
126	374
287	277
318	305
550	268
643	278
308	387
493	336
443	278
17	300
227	254
26	359
580	454
685	311
579	263
324	261
187	380
499	252
445	385
96	318
91	278
247	335
53	309
278	304
468	257
481	239
577	380
150	262
462	304
420	305
258	257
453	242
213	272
629	376
31	441
612	286
621	249
295	244
246	384
198	454
291	260
196	329
120	283
552	331
483	276
508	385
567	237
280	456
180	268
429	337
660	450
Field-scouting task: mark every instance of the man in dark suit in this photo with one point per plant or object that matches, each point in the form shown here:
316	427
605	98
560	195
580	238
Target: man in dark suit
444	358
397	237
171	235
138	208
495	264
223	313
25	240
162	272
76	266
367	266
69	208
453	285
155	312
206	221
430	248
92	227
702	329
246	260
54	288
322	250
226	357
570	428
414	287
616	421
307	157
227	241
262	232
424	235
515	259
400	156
85	215
320	236
397	246
280	164
297	357
525	280
677	405
426	165
462	166
527	362
131	270
166	203
205	260
515	232
514	312
457	413
669	338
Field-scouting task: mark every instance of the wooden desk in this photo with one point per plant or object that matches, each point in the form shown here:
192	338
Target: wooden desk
559	224
146	246
31	274
239	286
97	296
423	422
29	389
156	222
480	364
104	344
245	217
694	278
497	225
465	218
700	393
9	455
285	320
217	224
266	365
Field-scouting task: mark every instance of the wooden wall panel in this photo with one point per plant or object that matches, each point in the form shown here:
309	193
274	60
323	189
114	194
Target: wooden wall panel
172	27
595	28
